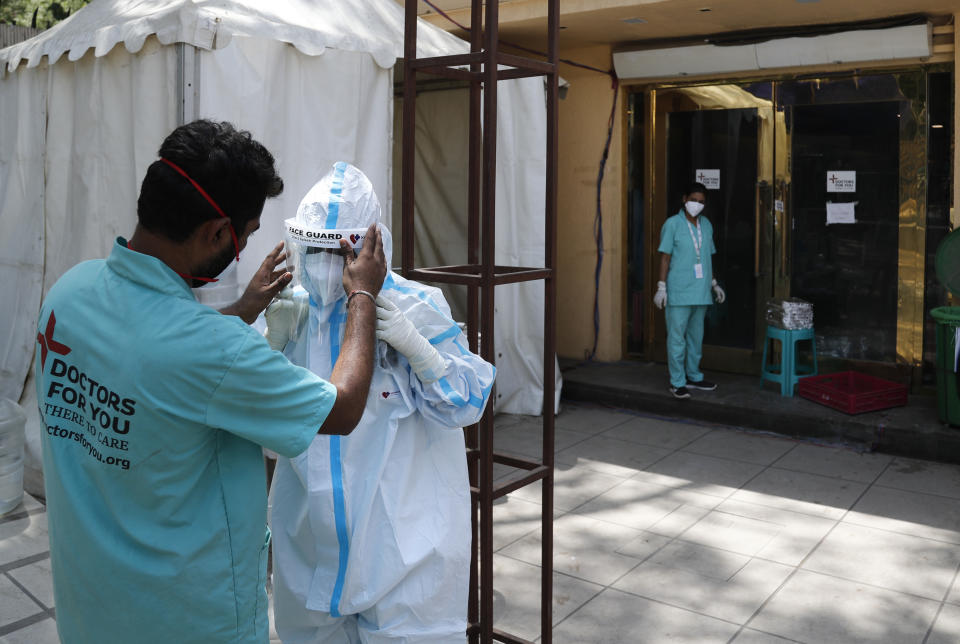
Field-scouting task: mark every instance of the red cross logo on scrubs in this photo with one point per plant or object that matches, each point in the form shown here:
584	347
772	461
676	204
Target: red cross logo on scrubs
47	343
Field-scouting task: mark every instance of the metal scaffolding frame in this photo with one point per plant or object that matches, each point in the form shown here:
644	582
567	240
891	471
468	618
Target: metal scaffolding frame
482	68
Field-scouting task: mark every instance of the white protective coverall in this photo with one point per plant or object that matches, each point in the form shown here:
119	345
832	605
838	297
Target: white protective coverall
372	530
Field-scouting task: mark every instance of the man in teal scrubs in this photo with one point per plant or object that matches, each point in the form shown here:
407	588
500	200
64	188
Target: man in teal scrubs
686	280
156	407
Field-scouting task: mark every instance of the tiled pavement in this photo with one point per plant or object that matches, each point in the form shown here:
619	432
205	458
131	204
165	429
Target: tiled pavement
677	532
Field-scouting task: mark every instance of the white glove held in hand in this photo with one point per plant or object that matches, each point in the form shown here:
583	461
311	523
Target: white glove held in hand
283	316
718	292
660	297
396	330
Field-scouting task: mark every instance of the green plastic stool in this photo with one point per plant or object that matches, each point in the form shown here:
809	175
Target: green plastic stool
788	373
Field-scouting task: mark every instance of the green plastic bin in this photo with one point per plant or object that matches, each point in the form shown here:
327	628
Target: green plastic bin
948	400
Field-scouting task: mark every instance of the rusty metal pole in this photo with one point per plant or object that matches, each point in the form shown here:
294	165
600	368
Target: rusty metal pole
549	326
408	156
488	224
473	293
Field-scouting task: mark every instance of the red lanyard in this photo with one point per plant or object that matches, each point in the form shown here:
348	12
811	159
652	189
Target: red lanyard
203	193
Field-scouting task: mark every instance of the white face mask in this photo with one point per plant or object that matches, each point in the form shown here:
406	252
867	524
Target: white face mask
693	208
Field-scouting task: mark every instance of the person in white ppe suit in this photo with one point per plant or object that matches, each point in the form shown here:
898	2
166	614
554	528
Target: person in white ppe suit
372	530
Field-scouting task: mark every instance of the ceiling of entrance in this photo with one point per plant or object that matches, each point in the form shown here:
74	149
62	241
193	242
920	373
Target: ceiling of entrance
586	22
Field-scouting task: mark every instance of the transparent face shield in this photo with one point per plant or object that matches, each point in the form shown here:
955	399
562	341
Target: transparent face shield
341	206
318	259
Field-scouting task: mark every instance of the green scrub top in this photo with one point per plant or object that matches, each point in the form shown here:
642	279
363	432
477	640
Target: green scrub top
683	286
155	409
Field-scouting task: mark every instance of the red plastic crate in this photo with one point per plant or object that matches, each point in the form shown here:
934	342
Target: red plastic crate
852	392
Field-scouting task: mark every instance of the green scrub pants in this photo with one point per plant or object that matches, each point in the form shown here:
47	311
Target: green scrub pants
684	343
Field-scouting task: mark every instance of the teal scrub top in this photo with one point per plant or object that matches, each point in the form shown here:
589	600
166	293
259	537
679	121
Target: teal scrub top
155	409
683	286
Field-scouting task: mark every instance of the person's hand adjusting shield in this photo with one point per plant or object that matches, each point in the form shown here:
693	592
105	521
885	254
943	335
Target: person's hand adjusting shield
368	269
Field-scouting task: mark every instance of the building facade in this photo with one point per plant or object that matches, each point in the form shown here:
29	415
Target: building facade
825	133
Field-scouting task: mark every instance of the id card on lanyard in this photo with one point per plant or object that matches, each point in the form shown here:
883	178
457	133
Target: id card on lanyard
697	245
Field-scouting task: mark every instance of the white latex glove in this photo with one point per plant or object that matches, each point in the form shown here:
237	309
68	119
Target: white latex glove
396	330
718	292
283	316
660	297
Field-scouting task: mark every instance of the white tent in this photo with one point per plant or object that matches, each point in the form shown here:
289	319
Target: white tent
313	81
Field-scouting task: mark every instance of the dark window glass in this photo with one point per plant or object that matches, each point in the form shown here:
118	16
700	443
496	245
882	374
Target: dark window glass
848	271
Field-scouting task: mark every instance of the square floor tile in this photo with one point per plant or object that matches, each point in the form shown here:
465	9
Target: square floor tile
611	456
922	515
38	579
946	630
817	608
834	462
526	438
820	496
516	603
749	636
572	486
679	520
644	545
582	547
922	476
503	421
887	559
639	505
705	474
734	533
614	617
42	632
953	597
589	419
23	538
14	603
513	518
797	536
657	432
706	580
741	446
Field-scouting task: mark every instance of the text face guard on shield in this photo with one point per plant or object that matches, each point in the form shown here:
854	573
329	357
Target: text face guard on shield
325	238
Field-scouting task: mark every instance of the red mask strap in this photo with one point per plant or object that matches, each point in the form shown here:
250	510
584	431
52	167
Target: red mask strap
208	280
203	193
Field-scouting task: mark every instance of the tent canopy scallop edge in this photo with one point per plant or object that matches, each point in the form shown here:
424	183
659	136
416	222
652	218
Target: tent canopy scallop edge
371	26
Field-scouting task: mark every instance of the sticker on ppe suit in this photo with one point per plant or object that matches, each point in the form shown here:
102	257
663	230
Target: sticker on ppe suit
301	233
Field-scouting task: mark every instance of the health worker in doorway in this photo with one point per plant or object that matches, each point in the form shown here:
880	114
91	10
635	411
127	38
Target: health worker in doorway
372	530
157	407
686	281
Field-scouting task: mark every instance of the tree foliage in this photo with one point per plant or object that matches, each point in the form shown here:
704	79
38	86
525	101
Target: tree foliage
42	14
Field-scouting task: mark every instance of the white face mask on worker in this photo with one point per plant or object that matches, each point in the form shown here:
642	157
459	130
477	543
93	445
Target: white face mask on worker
693	208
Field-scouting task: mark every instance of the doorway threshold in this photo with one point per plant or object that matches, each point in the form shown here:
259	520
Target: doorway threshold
912	431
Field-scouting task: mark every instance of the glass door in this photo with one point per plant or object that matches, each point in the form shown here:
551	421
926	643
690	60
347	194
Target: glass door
857	215
816	189
721	136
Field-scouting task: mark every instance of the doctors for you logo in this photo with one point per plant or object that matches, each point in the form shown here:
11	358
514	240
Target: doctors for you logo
47	343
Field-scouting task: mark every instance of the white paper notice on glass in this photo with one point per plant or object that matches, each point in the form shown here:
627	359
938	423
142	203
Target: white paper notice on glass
709	178
841	213
841	181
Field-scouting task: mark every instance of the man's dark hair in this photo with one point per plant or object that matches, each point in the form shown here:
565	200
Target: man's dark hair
235	170
695	186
